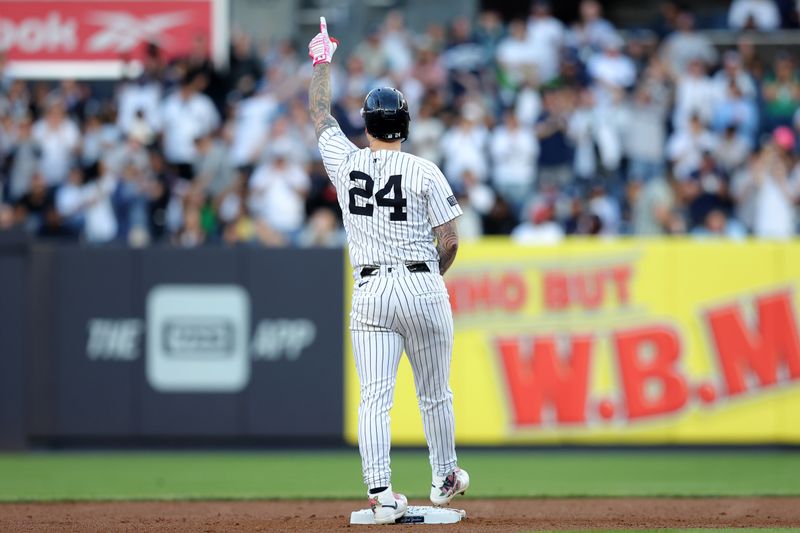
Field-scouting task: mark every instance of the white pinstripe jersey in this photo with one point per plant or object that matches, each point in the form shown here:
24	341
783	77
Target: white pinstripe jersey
390	200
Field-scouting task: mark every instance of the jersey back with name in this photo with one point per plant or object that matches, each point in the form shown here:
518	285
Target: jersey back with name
390	201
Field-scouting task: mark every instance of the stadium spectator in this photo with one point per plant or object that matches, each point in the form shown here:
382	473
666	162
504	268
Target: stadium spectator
762	15
427	131
545	39
514	55
21	160
781	92
70	203
396	43
732	150
555	153
686	45
652	204
277	195
36	208
464	149
775	188
695	95
738	111
610	69
591	31
58	138
717	224
514	150
539	228
186	115
101	222
611	135
322	230
644	134
685	148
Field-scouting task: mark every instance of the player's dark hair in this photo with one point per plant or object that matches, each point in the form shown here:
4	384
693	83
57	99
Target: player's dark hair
386	114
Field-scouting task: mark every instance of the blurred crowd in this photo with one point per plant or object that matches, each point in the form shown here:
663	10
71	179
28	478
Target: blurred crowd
544	129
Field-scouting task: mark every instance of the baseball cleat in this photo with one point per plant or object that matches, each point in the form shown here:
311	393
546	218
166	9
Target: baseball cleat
387	506
444	489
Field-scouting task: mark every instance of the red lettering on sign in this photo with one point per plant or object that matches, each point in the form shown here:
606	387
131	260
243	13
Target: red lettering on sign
486	292
587	289
773	342
651	381
556	291
537	378
621	275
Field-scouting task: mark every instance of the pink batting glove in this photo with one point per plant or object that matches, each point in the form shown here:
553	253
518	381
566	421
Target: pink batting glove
322	47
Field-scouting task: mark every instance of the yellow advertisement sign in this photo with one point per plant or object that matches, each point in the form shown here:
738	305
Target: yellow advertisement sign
651	342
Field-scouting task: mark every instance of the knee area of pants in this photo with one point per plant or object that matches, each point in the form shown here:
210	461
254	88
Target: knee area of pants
431	403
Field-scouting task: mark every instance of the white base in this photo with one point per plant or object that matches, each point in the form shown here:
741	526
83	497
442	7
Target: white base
414	515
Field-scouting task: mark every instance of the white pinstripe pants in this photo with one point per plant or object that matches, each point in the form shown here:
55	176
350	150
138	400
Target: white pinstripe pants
391	311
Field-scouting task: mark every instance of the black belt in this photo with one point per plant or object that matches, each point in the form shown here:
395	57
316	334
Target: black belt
412	267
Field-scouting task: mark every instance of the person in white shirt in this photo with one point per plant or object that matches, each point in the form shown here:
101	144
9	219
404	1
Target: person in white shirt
685	147
464	149
186	115
514	53
596	135
732	71
101	223
760	15
514	150
251	122
695	94
396	43
59	139
528	103
545	40
277	195
138	105
611	70
775	191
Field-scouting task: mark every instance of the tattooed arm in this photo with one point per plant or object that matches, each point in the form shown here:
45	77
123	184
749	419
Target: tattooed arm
446	244
319	98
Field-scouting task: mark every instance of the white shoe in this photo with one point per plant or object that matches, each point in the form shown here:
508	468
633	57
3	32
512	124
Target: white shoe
387	506
446	488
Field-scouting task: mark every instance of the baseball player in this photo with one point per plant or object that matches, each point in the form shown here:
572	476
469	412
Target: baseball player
398	213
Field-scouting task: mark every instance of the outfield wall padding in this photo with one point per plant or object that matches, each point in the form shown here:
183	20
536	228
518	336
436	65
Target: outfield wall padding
161	345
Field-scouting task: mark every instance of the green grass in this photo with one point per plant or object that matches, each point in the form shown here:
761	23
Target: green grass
140	475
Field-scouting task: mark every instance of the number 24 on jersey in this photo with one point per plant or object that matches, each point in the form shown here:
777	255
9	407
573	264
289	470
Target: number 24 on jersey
397	203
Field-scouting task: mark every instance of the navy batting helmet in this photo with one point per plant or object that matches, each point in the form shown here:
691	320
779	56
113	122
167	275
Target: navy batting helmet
386	115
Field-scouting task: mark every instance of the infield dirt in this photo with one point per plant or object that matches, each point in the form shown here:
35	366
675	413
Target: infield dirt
327	515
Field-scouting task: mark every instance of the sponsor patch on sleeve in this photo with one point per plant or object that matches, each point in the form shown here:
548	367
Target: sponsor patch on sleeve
452	201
